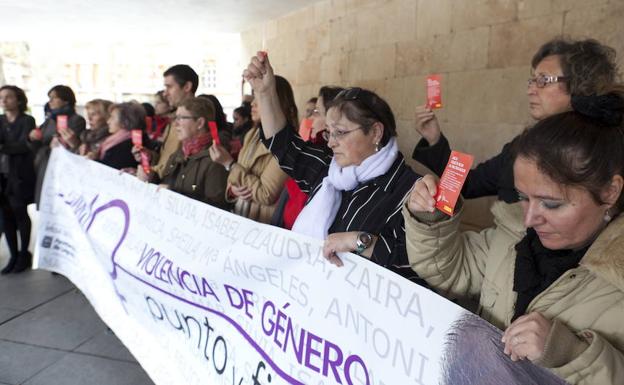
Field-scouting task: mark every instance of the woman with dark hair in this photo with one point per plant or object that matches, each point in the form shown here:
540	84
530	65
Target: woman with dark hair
561	68
557	288
116	150
190	170
17	176
256	180
242	122
62	102
223	126
355	195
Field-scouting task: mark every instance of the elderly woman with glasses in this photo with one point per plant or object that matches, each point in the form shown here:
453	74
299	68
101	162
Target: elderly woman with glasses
355	195
560	69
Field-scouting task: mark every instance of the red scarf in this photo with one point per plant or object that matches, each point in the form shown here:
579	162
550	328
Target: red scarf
113	140
192	146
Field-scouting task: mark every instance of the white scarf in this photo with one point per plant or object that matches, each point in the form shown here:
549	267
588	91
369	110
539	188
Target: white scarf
318	215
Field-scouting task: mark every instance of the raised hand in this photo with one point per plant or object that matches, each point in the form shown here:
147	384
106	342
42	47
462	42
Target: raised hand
427	124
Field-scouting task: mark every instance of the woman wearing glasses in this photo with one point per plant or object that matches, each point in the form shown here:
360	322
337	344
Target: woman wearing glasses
355	195
190	170
560	69
256	180
558	291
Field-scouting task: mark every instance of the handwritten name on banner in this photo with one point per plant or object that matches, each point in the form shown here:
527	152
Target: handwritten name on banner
201	296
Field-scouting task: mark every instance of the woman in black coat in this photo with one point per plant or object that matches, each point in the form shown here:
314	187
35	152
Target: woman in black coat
17	176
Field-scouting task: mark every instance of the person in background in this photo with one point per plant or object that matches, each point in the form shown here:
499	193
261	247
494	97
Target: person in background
92	137
181	83
17	176
256	180
306	123
116	150
223	126
190	170
242	124
62	102
162	116
557	288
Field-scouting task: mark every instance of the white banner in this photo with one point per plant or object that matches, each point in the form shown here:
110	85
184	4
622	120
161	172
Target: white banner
202	296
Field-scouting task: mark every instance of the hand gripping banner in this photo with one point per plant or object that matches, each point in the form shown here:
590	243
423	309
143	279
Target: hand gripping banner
202	296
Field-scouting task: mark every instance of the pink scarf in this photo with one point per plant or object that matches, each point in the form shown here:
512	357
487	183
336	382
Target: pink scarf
192	146
113	140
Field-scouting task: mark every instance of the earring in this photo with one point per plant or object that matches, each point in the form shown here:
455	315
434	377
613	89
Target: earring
607	216
377	147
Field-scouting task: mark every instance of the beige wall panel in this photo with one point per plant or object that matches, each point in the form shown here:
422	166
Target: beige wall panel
477	13
513	44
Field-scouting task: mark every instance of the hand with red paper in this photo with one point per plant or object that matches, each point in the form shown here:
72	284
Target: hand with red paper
69	137
220	155
35	134
259	73
422	197
427	124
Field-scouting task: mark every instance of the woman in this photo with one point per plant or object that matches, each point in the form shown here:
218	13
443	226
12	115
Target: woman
62	104
17	175
190	171
116	150
558	288
91	139
356	194
162	112
256	180
560	69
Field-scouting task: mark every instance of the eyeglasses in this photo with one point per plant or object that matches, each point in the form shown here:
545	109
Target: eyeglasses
183	117
541	81
338	135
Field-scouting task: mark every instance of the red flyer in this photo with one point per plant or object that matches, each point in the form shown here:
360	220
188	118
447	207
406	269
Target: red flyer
137	138
61	123
452	181
145	162
214	132
434	92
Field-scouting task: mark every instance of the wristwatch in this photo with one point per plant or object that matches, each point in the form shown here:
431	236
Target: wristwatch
363	242
229	166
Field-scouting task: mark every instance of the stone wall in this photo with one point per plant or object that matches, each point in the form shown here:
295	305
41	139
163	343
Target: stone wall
482	48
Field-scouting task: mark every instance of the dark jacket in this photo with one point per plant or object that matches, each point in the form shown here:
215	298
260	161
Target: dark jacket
41	147
492	177
197	177
16	160
120	156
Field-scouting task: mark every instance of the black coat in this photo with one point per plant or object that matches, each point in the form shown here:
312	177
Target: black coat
120	156
492	177
17	160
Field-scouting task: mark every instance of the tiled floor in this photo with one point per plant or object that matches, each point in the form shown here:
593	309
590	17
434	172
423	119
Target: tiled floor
50	335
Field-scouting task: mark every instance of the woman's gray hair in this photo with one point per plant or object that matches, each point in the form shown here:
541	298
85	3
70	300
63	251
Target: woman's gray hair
131	115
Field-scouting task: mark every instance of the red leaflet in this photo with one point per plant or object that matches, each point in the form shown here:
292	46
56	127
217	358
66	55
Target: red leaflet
434	92
452	181
214	132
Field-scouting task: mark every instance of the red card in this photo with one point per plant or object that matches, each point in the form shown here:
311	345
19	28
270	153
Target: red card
452	181
305	128
434	92
214	132
145	162
61	122
137	138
